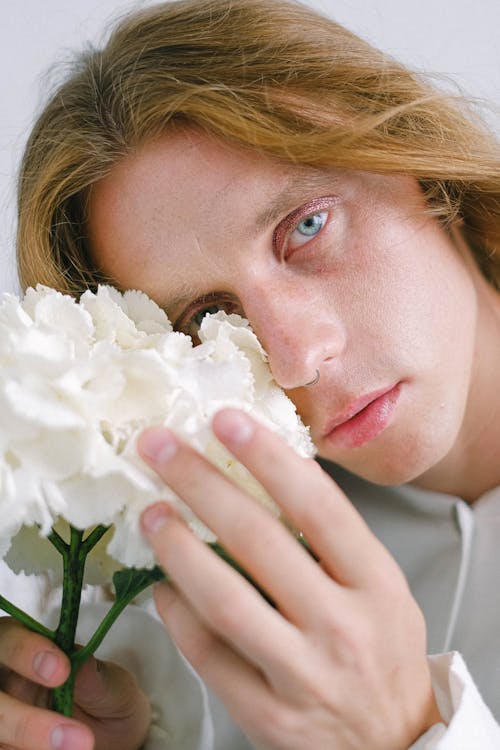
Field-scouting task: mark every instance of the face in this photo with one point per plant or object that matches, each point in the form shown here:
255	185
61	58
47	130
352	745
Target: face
338	271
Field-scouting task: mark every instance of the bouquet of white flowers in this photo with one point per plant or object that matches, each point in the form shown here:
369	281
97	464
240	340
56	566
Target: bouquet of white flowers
79	380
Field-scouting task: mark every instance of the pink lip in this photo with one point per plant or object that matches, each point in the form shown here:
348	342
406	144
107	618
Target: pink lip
364	418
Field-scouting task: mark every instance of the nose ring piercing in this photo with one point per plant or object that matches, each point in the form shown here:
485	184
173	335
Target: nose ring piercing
313	381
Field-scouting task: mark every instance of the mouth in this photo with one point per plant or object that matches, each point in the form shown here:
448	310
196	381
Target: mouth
364	418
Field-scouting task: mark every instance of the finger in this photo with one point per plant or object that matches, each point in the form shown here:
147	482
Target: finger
108	698
31	655
348	549
24	690
246	693
25	727
269	553
104	689
227	604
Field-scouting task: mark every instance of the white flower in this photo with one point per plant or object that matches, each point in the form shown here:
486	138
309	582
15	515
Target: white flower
80	380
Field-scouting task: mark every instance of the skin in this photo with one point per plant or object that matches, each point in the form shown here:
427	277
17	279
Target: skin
380	295
324	669
111	712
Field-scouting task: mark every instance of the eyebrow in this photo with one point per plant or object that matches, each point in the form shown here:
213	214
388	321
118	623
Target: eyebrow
298	187
175	304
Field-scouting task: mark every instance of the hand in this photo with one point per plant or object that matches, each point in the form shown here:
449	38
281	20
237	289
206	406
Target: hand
111	713
341	661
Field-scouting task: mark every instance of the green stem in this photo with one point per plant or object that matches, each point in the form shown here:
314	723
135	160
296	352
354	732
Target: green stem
140	582
128	584
81	656
94	536
74	566
58	542
20	615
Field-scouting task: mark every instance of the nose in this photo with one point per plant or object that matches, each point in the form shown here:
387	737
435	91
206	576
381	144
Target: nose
300	333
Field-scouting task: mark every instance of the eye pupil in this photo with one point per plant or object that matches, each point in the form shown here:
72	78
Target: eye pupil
311	225
209	310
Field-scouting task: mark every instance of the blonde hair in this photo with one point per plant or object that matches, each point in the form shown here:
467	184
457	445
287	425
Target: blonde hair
272	75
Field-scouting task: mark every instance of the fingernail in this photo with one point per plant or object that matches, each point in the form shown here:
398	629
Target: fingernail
155	517
157	445
45	665
234	426
69	737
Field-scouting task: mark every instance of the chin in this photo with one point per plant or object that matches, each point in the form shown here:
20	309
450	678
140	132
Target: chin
388	476
395	461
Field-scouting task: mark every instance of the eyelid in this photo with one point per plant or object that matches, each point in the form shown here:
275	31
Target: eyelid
290	222
200	302
192	308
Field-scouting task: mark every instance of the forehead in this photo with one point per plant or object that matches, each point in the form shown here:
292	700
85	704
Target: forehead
209	168
183	182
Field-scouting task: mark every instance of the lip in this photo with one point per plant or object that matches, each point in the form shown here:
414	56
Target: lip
364	418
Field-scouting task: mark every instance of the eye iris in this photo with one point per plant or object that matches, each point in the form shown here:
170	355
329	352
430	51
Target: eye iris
311	225
209	310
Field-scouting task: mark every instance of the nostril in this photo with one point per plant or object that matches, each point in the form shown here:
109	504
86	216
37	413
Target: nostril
314	380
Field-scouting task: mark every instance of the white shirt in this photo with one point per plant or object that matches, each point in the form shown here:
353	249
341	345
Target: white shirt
450	553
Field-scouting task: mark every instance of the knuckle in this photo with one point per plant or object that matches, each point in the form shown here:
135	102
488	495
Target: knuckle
21	732
333	617
306	518
312	515
16	731
283	726
227	617
15	650
389	583
350	634
361	638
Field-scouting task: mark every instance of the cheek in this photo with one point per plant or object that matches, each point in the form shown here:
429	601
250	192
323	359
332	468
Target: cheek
416	321
419	289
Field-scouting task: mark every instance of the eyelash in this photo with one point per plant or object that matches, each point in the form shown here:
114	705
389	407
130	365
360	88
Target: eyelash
220	300
281	235
290	223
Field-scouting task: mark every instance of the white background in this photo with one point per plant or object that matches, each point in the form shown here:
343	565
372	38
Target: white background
457	38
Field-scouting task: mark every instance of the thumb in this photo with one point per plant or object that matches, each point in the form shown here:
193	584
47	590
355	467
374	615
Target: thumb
109	701
106	691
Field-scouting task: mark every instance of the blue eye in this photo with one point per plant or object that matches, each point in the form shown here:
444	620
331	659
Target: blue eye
312	225
307	228
303	225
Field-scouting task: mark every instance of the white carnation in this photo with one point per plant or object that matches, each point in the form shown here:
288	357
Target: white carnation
80	380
